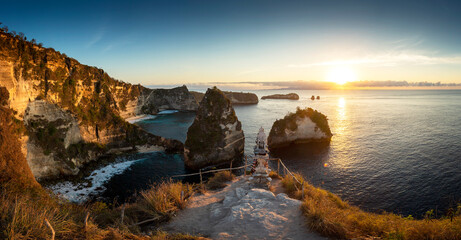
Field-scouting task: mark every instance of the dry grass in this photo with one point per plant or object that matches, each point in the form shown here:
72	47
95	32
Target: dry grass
22	216
274	175
219	180
166	197
332	217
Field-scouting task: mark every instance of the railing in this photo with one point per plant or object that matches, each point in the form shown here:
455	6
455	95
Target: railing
286	170
279	162
212	171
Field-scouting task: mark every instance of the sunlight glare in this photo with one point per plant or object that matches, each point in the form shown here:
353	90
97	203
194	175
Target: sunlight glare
341	75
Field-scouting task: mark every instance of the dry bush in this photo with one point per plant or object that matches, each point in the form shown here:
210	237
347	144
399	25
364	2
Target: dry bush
332	217
219	180
22	215
274	175
165	197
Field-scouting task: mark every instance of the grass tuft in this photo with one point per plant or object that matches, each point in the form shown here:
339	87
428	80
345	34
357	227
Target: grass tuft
335	218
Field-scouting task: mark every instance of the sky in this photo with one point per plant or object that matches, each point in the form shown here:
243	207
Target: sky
185	42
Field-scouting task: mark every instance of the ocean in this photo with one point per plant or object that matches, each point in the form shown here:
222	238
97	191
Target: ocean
392	150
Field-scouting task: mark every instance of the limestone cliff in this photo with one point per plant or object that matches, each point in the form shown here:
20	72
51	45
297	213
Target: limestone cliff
235	97
151	101
216	135
76	106
13	165
306	125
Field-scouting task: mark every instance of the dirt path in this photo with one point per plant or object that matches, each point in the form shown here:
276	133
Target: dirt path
241	212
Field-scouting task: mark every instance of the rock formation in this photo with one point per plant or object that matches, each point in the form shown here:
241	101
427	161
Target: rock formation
216	135
304	126
72	111
237	98
152	101
13	165
291	96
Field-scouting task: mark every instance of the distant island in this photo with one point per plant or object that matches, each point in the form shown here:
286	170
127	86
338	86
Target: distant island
290	96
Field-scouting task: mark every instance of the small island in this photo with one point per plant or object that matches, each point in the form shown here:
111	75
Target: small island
303	126
290	96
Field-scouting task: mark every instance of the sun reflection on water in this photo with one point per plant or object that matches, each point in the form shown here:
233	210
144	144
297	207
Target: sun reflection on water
340	132
341	114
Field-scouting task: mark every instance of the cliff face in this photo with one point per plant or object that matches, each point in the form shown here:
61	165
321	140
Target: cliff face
304	126
13	166
77	106
151	101
235	97
216	135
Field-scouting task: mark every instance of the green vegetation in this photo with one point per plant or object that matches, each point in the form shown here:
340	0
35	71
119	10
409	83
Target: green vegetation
289	122
333	217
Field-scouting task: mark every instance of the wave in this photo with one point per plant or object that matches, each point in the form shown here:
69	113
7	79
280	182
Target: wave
93	184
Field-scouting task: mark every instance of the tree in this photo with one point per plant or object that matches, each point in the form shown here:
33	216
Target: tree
22	36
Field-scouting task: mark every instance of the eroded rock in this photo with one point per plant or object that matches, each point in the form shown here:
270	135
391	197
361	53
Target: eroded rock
216	135
303	126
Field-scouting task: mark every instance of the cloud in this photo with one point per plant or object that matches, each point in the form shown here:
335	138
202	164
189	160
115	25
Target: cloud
96	38
389	59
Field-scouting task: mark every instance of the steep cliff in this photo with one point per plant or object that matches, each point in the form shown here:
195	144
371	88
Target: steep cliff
151	101
303	126
235	97
13	166
80	108
216	135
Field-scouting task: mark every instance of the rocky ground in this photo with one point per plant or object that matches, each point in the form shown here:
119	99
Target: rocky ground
241	211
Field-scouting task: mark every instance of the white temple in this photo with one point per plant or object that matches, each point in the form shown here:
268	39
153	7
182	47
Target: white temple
260	165
261	147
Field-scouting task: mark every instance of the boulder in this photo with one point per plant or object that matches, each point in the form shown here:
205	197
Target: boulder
303	126
290	96
216	136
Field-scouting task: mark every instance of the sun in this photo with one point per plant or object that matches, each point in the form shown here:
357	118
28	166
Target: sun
341	75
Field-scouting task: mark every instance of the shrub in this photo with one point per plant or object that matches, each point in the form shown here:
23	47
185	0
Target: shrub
219	180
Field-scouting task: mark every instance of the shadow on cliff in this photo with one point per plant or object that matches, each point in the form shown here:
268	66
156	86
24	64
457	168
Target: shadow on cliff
305	151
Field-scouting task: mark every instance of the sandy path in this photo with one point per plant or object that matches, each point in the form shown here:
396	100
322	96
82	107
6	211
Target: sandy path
241	212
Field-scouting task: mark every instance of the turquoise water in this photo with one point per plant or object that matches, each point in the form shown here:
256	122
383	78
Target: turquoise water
396	151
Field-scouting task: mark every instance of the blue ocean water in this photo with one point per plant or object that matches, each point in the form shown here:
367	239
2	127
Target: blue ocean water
392	150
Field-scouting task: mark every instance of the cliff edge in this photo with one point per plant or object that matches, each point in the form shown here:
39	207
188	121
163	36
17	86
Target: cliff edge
72	112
